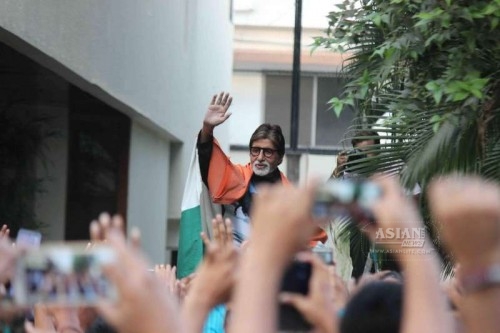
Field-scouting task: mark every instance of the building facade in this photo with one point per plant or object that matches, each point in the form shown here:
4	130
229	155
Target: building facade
122	87
262	80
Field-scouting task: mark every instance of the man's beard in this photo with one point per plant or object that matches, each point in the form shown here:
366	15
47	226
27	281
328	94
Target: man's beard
262	171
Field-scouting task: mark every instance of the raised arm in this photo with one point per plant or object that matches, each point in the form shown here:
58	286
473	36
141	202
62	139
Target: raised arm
425	305
468	212
281	227
217	113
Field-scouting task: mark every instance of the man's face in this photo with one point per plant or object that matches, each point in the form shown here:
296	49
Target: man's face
364	144
264	157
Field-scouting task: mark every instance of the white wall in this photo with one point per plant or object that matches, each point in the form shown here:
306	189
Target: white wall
147	190
248	106
139	52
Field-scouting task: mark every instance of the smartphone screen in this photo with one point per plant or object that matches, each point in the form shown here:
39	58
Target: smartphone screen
28	238
63	274
295	280
346	198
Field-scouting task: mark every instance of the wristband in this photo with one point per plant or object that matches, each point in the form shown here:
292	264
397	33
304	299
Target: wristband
481	279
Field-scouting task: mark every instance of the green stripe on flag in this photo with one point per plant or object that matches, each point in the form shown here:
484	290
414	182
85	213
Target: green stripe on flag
190	243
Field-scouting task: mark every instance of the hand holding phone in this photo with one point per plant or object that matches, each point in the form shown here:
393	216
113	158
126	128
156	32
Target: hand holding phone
295	280
346	197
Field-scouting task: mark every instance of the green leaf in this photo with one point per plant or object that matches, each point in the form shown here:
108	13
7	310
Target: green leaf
337	105
494	23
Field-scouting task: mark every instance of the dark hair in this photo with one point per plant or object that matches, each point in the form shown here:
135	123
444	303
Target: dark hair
356	137
375	308
270	132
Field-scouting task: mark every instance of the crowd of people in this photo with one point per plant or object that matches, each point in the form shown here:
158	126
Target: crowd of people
243	266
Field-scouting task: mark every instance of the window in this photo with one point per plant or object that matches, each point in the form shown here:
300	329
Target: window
98	162
319	127
330	129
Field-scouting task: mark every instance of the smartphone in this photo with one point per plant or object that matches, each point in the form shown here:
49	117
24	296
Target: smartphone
346	197
28	238
295	280
64	274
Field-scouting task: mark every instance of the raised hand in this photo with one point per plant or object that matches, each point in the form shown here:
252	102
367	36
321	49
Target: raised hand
167	274
145	305
100	228
4	232
55	318
215	277
468	212
8	257
289	209
217	112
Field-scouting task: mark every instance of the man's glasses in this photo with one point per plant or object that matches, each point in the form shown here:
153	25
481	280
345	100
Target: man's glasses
268	152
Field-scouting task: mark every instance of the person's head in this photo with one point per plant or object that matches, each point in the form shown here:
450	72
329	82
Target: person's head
377	307
267	148
361	143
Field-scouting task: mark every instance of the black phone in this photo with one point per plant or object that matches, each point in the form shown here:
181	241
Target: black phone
295	280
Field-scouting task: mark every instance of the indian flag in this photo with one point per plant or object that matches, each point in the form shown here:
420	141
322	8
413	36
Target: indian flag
197	212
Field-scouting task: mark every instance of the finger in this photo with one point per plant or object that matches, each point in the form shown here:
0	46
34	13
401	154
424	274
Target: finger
205	239
296	300
95	231
222	230
174	273
117	223
226	115
4	232
215	228
229	231
104	221
225	98
167	271
219	98
135	238
214	98
172	280
227	102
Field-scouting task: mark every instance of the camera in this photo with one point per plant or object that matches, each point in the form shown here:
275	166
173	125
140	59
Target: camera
353	163
346	197
65	274
354	155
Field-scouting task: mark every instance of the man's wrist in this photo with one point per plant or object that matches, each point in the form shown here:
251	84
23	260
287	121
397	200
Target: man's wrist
207	130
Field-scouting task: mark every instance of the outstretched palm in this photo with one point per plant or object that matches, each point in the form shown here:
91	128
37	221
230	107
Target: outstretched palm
217	110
